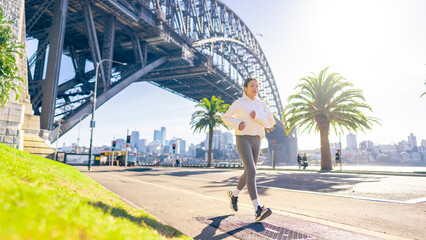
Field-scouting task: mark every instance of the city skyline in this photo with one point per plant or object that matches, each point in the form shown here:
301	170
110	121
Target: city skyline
376	53
411	138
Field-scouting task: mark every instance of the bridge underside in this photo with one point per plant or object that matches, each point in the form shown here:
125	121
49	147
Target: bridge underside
193	48
194	82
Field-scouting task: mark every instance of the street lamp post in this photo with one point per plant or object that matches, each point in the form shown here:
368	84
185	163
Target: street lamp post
92	121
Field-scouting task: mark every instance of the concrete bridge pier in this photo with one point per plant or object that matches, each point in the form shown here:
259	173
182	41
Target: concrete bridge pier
285	147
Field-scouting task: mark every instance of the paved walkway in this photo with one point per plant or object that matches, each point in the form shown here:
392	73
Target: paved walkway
194	201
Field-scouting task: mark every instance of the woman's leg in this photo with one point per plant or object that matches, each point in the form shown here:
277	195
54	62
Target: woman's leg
246	146
242	181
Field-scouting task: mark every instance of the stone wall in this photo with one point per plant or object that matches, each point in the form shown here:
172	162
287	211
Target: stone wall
11	120
12	114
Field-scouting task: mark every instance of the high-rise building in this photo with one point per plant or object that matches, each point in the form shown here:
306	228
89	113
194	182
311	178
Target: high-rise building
141	146
413	140
120	144
366	145
134	139
226	139
163	135
158	136
351	141
404	146
182	147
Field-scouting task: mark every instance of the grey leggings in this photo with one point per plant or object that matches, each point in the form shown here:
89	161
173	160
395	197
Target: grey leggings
248	147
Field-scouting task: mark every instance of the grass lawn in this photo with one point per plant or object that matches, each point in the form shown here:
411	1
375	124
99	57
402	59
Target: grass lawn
44	199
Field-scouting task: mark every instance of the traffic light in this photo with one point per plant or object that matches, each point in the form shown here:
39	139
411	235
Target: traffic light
114	143
128	139
174	147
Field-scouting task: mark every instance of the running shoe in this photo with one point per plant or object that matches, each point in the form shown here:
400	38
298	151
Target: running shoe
262	213
232	201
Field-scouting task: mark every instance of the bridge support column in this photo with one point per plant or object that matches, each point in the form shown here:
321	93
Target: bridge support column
285	146
108	48
40	59
105	96
140	50
50	84
93	41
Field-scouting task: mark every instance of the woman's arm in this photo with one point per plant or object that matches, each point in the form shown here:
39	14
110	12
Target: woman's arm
265	117
229	117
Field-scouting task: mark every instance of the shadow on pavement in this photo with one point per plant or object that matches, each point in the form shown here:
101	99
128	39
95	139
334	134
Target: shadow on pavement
209	232
315	182
132	169
141	220
139	169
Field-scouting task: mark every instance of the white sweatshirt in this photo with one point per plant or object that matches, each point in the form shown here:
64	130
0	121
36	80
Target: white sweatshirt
239	112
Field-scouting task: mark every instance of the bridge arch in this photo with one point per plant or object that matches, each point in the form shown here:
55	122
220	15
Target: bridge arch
216	31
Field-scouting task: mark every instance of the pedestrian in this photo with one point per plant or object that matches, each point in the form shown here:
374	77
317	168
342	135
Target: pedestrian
338	159
304	161
249	117
299	160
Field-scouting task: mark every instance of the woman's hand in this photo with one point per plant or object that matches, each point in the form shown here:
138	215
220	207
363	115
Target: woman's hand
242	126
253	114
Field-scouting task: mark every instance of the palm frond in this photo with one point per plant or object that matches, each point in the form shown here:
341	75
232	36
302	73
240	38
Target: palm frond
331	96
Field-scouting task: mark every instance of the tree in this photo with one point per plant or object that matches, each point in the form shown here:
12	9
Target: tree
323	101
208	118
9	48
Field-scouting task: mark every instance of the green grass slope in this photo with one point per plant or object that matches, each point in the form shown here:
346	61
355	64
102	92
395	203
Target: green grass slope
44	199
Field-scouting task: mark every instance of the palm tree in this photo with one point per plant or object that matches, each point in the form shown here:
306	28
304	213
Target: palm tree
323	101
209	118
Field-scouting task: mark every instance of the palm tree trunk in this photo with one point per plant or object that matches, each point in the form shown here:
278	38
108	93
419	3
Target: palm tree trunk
325	151
209	157
324	127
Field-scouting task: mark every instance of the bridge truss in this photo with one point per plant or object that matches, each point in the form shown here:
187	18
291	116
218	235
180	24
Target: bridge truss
194	48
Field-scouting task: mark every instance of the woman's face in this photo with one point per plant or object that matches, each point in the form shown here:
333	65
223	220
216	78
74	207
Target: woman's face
252	88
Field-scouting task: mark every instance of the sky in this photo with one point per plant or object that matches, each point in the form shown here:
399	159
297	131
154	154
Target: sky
378	45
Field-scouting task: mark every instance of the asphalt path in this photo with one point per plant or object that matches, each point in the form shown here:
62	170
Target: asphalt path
310	205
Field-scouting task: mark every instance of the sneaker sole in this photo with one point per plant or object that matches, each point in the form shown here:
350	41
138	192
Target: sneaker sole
229	193
264	216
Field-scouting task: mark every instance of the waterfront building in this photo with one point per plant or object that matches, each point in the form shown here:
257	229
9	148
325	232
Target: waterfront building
351	143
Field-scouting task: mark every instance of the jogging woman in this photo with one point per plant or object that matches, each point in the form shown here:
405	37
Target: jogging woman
249	116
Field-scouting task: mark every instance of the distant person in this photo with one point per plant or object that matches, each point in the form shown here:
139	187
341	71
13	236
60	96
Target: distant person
249	116
338	159
299	160
304	161
177	162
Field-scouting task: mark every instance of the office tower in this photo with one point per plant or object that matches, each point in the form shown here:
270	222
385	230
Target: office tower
351	141
158	136
163	135
413	140
142	145
134	139
216	141
366	145
182	148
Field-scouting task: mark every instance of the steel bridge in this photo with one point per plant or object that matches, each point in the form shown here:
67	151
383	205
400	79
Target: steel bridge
193	48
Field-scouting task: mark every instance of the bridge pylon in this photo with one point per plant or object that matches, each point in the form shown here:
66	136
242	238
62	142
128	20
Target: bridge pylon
285	147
